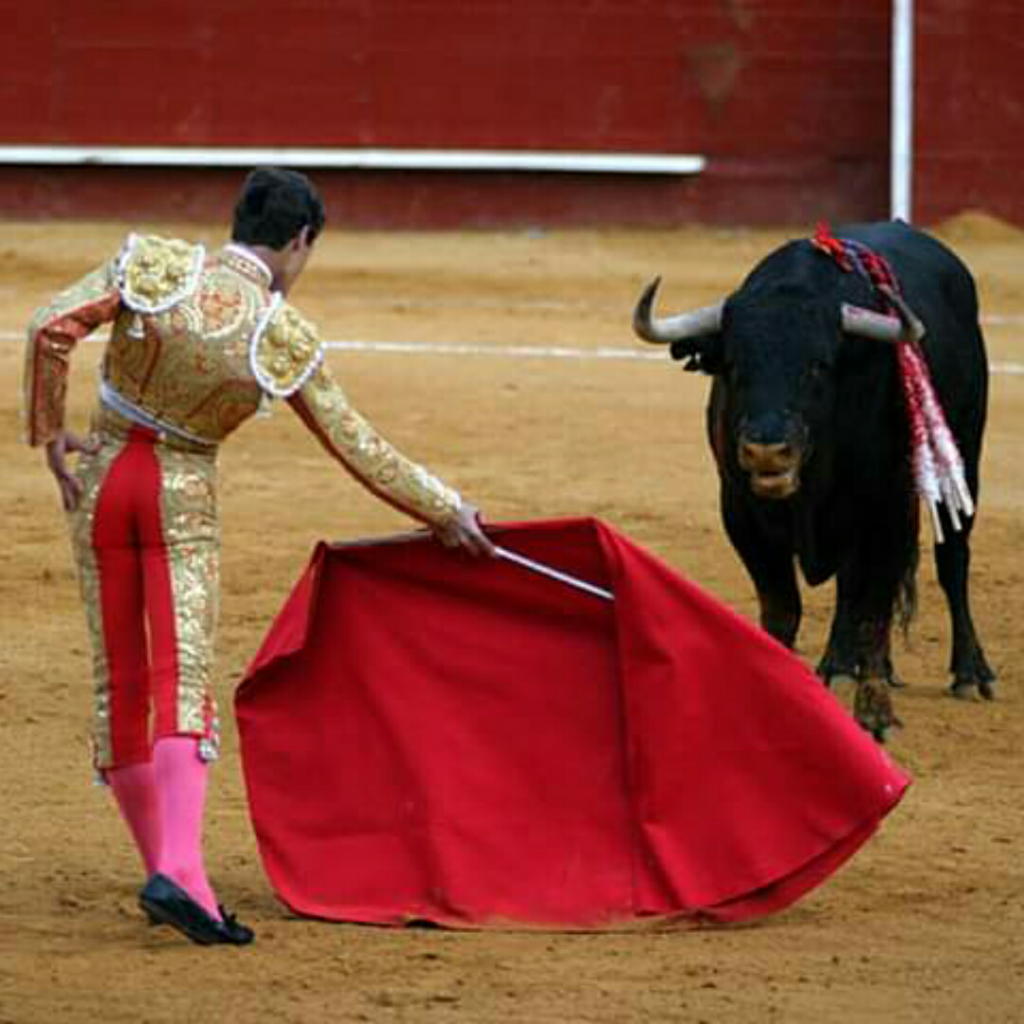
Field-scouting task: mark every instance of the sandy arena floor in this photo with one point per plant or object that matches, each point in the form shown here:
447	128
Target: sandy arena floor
924	925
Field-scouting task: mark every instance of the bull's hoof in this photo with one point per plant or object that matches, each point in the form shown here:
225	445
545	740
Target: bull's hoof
840	681
832	667
873	709
971	670
835	669
971	689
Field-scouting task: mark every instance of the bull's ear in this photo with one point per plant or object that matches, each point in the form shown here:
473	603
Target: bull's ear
703	354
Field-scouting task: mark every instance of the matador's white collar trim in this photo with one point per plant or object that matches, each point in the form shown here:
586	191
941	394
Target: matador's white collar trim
244	253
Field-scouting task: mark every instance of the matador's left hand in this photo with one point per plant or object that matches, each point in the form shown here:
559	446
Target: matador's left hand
56	458
463	530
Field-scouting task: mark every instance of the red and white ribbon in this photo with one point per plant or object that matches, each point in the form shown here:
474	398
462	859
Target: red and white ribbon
935	459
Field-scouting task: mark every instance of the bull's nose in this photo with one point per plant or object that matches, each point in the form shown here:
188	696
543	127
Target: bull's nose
767	458
774	468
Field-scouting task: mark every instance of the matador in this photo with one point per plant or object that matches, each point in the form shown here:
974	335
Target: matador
198	342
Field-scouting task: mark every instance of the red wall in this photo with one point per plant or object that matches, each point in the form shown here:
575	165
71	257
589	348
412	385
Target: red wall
788	99
969	123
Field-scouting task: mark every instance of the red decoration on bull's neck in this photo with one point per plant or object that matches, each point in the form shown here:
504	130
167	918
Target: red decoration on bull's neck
937	464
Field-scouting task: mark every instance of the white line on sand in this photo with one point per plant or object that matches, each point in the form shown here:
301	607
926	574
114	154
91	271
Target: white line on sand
510	351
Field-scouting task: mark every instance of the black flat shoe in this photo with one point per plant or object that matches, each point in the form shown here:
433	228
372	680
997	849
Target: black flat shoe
236	933
165	902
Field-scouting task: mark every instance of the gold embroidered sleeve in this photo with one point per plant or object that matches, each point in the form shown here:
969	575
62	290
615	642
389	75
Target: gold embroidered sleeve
52	333
375	463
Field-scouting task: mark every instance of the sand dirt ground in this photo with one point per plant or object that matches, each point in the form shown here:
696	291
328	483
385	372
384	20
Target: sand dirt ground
924	925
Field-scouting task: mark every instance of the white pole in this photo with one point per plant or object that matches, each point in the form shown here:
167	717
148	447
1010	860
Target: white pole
902	109
554	574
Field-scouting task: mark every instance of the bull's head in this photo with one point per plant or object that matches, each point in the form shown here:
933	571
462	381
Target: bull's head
777	396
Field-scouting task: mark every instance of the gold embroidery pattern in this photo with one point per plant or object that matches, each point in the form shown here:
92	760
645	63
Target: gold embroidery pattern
130	356
53	332
94	286
156	273
286	352
226	408
191	531
352	440
191	369
91	472
189	519
182	343
224	304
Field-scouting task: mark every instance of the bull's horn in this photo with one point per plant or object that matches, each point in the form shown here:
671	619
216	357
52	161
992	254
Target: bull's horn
878	326
673	328
868	324
913	326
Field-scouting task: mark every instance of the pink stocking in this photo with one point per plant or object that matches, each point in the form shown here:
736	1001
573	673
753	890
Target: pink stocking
181	782
135	792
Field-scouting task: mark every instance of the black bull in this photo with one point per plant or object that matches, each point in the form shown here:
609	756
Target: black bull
807	422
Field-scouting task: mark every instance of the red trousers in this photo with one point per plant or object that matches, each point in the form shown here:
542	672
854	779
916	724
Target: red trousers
146	541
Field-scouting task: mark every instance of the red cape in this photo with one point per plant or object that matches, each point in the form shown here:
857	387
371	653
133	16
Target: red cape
427	736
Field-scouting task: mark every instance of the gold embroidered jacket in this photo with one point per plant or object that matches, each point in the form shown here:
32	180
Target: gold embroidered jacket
197	341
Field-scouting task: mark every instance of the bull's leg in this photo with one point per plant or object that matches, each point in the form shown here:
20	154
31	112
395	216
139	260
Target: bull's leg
872	705
770	567
859	641
778	598
843	653
840	657
967	662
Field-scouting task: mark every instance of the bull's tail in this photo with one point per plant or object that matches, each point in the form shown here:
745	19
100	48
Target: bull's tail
906	596
905	605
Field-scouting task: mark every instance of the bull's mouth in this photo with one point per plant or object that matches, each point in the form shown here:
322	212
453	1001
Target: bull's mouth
773	468
776	486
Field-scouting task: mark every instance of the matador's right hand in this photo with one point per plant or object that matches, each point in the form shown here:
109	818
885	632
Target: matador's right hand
56	459
463	530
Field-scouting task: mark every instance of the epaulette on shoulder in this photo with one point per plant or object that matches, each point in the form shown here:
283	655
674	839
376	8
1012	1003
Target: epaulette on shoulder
285	350
154	273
